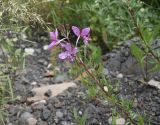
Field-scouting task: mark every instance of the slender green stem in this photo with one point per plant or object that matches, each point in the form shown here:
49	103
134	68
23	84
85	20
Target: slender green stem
77	40
126	113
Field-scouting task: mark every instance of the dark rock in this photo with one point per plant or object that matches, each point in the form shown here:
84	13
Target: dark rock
155	92
24	117
93	122
46	113
48	93
153	109
24	81
114	65
59	114
61	78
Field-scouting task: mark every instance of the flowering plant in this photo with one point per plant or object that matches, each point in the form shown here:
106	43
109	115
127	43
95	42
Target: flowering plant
69	52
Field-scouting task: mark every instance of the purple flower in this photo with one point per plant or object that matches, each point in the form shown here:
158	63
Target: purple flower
54	39
69	52
86	39
84	33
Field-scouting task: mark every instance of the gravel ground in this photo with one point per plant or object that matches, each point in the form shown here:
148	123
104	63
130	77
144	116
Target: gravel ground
58	110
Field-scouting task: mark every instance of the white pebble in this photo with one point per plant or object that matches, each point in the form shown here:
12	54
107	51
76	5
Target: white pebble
29	51
39	102
120	75
45	47
34	83
106	88
80	112
31	121
154	83
119	121
49	65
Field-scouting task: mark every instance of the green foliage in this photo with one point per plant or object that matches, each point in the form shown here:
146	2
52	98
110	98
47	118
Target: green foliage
68	12
138	53
140	120
147	54
91	91
109	20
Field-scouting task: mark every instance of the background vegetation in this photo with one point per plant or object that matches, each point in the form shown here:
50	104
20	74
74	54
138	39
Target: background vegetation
109	19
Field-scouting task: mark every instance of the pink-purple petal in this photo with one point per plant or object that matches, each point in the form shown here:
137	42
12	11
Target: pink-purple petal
76	30
56	33
53	43
63	55
85	40
52	36
85	32
74	51
68	47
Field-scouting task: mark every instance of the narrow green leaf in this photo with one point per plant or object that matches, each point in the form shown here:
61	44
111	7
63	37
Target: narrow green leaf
137	52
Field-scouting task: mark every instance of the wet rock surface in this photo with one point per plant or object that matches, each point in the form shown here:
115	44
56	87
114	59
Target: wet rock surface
58	110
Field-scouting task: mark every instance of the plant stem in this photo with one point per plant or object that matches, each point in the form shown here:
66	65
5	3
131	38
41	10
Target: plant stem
126	113
77	40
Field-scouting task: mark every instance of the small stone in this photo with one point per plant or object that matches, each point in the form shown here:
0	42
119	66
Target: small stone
158	100
59	104
126	54
49	74
61	78
29	51
33	83
38	51
45	114
29	109
31	93
67	123
48	93
38	105
80	112
94	122
24	81
105	88
24	117
120	75
42	61
9	124
154	83
49	65
45	47
119	121
59	114
31	121
153	109
45	63
155	92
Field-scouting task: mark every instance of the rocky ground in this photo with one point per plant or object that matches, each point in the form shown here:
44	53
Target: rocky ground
49	98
